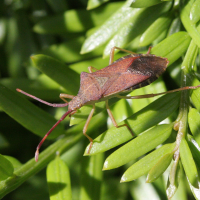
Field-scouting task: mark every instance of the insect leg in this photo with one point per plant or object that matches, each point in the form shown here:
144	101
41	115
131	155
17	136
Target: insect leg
127	51
112	53
153	95
86	126
67	96
113	119
149	50
90	69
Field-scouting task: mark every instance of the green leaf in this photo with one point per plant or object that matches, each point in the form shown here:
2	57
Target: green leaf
194	12
69	52
3	30
155	29
139	122
188	163
6	168
195	191
58	71
140	145
95	3
191	28
70	20
58	179
193	120
27	114
3	142
175	26
91	177
15	163
195	150
144	165
179	43
195	96
159	168
196	153
58	6
143	18
109	28
144	3
174	179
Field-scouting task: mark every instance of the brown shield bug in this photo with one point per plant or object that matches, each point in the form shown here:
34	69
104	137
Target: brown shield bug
121	76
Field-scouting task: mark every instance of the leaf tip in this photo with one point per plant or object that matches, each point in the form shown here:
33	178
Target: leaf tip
105	166
123	179
147	179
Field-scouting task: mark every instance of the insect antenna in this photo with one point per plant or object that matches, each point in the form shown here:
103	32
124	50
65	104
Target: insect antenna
44	138
42	101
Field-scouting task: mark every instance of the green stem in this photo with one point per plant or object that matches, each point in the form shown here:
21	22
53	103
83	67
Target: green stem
181	123
186	67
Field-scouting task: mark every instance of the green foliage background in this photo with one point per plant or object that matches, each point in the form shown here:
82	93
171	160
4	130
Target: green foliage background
64	38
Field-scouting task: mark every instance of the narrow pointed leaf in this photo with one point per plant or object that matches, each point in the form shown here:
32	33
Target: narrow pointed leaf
95	3
195	150
27	114
179	43
143	18
58	179
159	168
174	179
70	21
69	52
192	29
155	29
139	122
91	177
108	29
188	163
58	71
58	6
143	166
194	12
195	96
195	191
194	119
175	26
3	141
6	168
15	163
138	146
144	3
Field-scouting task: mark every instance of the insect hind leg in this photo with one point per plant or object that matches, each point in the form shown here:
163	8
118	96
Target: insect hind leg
113	119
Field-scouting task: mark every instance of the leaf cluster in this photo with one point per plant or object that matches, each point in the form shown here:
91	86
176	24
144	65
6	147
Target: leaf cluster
63	39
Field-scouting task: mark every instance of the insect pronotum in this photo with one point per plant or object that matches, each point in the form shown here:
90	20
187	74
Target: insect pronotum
121	76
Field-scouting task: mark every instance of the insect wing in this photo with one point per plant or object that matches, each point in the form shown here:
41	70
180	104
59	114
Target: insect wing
136	72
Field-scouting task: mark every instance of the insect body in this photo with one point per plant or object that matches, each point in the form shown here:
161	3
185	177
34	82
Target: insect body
125	74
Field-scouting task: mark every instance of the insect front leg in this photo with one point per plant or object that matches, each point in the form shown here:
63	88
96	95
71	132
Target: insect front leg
124	50
113	119
86	126
90	69
66	96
